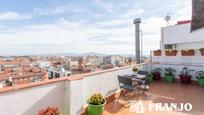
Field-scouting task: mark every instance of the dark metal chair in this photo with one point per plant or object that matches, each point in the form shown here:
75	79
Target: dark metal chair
126	86
144	87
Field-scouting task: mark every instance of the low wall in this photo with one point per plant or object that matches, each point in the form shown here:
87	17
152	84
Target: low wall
68	94
30	101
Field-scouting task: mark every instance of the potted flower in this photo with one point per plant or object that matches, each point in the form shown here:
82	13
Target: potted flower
149	78
200	78
189	52
185	76
135	70
202	51
169	75
96	104
49	111
156	73
171	52
157	53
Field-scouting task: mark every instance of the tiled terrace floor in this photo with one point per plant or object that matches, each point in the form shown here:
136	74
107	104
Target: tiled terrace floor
161	92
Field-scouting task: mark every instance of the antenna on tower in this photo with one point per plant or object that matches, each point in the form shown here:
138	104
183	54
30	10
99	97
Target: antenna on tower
167	18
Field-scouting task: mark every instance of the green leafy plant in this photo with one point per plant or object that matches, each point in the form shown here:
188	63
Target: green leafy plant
156	70
134	69
200	74
8	82
169	71
96	99
186	72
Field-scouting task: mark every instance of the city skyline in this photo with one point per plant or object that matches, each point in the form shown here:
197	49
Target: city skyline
52	26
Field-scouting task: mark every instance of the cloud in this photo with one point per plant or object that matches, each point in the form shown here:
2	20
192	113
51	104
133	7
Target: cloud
12	16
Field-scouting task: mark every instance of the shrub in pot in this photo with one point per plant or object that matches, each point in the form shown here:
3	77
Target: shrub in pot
96	104
135	70
202	51
156	73
157	53
149	78
169	75
200	78
189	52
185	76
171	52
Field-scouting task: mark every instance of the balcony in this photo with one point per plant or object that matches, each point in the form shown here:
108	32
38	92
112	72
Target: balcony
70	94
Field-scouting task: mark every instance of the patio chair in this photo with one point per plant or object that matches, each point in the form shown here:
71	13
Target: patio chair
126	86
144	87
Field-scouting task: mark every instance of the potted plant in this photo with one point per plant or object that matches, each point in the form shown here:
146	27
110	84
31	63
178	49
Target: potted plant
189	52
156	73
171	52
202	51
149	78
135	70
169	75
49	111
185	76
200	78
157	53
96	104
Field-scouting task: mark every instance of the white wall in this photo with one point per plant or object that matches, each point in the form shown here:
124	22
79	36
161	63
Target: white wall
192	45
31	100
181	34
68	96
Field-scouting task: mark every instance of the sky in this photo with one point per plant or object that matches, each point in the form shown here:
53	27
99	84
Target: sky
78	26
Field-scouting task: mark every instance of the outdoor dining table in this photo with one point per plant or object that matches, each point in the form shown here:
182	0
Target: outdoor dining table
137	77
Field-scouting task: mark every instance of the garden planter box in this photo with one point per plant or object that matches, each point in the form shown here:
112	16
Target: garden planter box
202	52
157	53
185	79
187	53
171	53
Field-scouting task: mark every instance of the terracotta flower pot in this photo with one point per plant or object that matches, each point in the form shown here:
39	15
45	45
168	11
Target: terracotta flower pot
157	53
185	79
202	52
171	53
188	53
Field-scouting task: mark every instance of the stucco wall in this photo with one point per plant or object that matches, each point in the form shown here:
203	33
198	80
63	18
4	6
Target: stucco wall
181	34
31	100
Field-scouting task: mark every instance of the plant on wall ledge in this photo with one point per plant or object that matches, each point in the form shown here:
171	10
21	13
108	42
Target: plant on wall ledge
171	52
202	51
49	111
189	52
157	53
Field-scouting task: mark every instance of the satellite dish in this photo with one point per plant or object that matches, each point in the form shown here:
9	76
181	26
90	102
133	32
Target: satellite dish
167	18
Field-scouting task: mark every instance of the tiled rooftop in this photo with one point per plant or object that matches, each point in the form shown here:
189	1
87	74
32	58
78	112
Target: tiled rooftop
161	92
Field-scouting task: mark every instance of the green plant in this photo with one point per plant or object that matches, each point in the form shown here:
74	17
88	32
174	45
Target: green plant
156	70
8	82
149	78
186	72
96	99
169	71
134	69
200	74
